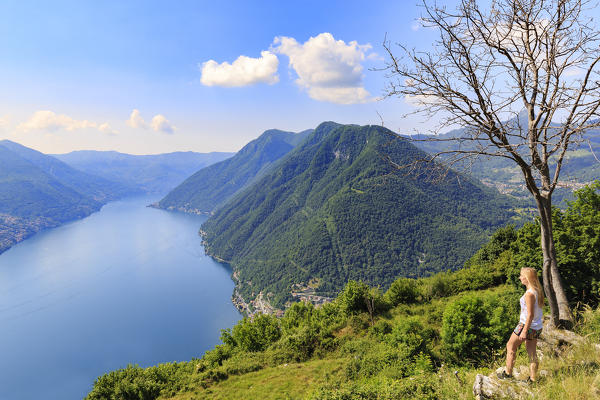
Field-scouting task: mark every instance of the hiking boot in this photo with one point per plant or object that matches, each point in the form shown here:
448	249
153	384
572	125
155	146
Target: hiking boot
504	375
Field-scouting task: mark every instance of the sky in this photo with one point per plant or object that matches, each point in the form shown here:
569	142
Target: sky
146	77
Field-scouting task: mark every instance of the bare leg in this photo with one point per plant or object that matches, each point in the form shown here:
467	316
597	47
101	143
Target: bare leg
533	360
511	351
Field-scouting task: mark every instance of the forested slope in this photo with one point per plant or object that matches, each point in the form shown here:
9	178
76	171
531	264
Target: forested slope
334	209
212	186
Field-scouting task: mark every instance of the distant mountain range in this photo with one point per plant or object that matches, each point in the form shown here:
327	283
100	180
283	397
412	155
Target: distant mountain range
335	209
210	187
157	173
582	165
39	191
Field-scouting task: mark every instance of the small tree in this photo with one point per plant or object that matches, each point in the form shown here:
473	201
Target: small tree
540	56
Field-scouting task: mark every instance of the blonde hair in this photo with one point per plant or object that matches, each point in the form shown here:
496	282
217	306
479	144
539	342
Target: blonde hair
532	278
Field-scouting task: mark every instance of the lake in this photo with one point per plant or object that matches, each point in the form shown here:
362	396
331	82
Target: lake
128	284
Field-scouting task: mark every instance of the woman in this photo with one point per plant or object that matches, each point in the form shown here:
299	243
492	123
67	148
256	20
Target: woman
530	325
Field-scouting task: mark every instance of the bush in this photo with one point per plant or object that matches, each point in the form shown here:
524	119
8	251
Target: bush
352	298
381	329
254	334
357	297
403	291
437	286
413	335
135	383
214	358
475	326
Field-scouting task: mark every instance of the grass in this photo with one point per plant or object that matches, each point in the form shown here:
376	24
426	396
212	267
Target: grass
287	381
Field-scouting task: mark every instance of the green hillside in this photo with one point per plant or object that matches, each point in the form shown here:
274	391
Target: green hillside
210	187
334	209
97	187
157	173
422	339
32	199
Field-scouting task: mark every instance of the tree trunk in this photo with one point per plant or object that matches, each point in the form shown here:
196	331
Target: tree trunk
561	315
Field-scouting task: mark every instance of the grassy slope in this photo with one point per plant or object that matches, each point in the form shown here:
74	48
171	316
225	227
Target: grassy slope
286	381
573	375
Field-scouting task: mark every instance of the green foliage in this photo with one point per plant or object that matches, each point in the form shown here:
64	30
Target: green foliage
403	290
211	186
577	243
135	383
253	334
418	387
377	358
353	298
590	326
475	325
214	358
413	335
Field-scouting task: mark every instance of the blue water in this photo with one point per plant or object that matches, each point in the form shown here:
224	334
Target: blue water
128	284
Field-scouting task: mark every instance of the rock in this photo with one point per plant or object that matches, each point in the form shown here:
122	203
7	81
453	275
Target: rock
490	387
556	339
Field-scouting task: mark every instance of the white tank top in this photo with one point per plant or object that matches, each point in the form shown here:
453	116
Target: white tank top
537	315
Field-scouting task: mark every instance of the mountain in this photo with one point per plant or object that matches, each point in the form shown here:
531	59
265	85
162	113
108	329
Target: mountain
334	209
212	186
581	166
98	188
157	173
37	192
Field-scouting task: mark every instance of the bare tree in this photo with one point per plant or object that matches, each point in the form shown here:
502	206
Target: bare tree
521	77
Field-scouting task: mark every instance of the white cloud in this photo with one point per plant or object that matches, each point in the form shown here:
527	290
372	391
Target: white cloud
3	123
161	124
106	128
135	120
329	69
50	121
243	71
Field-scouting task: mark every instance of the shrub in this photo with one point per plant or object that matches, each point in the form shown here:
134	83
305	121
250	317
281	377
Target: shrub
412	334
353	297
214	358
381	329
254	334
135	383
357	297
403	291
474	326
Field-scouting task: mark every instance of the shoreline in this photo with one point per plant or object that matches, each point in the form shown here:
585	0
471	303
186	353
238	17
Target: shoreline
185	210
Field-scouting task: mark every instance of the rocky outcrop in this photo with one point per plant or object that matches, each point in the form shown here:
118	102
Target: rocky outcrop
490	387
